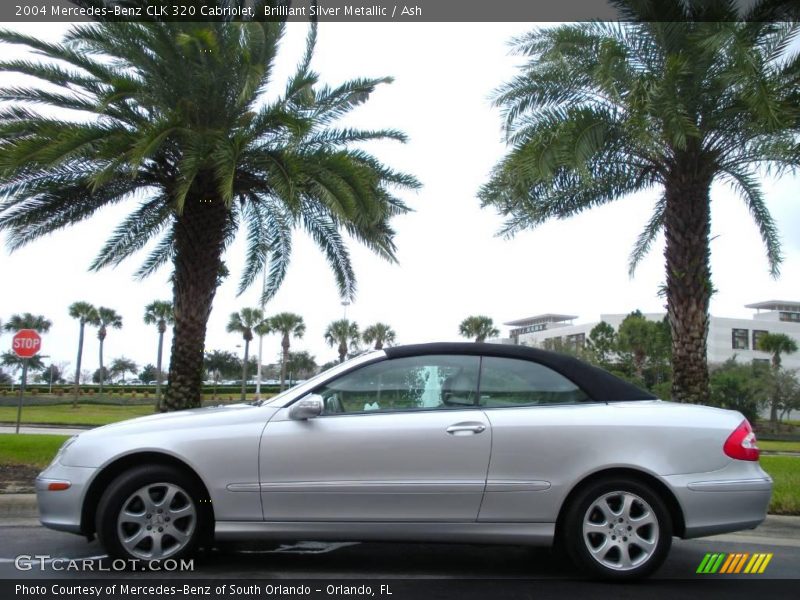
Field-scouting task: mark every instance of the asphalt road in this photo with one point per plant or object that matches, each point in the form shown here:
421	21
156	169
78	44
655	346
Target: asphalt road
387	561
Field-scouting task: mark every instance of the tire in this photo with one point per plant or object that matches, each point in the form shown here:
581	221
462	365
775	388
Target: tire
617	529
152	513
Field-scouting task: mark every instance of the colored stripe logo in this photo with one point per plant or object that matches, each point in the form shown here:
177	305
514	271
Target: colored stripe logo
738	562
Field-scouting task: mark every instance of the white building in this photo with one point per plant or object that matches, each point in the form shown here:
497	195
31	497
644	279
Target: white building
727	337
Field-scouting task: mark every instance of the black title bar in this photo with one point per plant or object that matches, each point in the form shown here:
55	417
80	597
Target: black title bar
369	11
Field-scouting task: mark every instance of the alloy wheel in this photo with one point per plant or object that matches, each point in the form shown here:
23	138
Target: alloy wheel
620	530
156	521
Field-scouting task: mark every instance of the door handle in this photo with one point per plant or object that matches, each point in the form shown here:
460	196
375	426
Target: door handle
466	428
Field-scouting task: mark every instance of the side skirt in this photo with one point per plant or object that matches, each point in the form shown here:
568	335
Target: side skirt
532	534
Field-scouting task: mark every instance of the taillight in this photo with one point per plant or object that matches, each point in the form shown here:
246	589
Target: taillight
741	444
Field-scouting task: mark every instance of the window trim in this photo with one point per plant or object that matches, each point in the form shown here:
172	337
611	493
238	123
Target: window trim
753	338
473	406
476	406
745	337
589	399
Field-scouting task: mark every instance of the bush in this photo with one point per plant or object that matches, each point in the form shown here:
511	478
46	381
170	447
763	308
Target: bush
737	387
663	390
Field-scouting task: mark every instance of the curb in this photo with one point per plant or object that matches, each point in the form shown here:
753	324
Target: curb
779	453
49	425
18	506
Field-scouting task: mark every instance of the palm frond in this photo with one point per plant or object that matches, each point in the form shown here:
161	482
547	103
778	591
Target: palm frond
750	190
645	240
325	232
134	232
163	253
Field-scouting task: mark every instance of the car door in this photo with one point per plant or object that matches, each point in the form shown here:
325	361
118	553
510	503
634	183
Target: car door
540	438
399	440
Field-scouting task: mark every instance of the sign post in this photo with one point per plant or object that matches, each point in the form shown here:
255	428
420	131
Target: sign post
26	344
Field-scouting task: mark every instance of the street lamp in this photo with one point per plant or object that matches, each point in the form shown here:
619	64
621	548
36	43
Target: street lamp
261	339
243	382
345	304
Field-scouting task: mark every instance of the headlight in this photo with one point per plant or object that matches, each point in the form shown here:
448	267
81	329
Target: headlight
63	449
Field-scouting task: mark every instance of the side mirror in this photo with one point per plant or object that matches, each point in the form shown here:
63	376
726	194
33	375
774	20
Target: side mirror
309	407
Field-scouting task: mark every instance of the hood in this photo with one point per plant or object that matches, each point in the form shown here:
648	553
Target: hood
181	419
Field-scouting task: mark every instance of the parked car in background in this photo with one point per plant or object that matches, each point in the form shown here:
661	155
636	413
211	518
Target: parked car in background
479	443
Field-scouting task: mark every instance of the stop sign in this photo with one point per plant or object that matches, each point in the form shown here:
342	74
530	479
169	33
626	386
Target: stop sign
26	343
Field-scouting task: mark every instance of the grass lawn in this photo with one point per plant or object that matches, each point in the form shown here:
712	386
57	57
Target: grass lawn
785	470
88	414
779	446
64	414
29	449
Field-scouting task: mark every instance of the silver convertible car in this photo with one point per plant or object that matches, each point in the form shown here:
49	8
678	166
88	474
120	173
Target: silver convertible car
461	442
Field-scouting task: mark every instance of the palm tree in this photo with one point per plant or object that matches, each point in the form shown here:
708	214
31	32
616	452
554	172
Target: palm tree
343	335
219	363
178	115
379	334
10	359
683	94
106	317
85	313
28	321
244	322
300	365
286	324
122	365
479	327
159	313
776	344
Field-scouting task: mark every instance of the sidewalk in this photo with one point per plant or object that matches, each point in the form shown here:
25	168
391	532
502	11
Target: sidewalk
44	429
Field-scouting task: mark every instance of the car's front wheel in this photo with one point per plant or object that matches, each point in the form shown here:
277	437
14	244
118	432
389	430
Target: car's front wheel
618	529
152	513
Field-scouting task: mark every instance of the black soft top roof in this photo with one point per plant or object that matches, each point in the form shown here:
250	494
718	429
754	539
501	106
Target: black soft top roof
598	384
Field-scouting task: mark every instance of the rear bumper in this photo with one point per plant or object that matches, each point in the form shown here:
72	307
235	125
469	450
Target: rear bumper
61	510
724	501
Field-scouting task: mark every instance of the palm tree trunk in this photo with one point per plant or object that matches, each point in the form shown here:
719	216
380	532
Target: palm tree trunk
638	360
77	390
244	369
284	359
342	351
100	395
773	404
687	223
773	413
159	376
199	235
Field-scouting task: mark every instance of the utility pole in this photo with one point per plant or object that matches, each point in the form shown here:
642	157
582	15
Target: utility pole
261	338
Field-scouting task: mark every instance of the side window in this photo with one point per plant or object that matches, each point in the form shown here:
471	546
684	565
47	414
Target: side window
512	382
413	383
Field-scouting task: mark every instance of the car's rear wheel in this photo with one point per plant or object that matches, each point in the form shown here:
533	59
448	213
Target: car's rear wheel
152	513
618	529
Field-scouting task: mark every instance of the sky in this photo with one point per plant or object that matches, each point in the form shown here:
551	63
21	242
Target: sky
451	264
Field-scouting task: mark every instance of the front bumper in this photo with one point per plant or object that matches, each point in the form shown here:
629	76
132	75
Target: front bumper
731	499
61	509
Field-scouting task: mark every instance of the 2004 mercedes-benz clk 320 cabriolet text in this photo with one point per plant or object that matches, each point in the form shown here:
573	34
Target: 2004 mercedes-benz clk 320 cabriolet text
460	442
